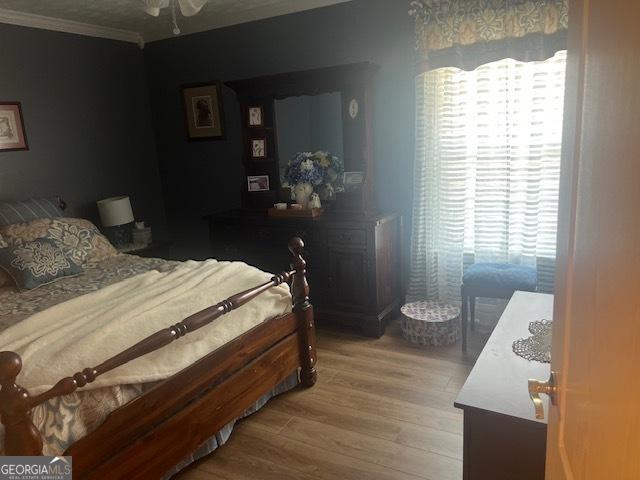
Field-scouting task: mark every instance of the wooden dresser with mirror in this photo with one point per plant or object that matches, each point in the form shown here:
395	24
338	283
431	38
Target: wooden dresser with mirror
353	250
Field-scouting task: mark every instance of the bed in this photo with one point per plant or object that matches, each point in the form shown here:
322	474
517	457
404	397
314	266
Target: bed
158	397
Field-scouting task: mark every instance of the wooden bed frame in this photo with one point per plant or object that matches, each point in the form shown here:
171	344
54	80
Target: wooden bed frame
149	435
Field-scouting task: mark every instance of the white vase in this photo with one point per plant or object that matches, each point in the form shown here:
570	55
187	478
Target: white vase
303	192
314	201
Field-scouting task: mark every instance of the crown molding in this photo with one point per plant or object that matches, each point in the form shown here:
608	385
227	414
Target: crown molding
203	23
32	20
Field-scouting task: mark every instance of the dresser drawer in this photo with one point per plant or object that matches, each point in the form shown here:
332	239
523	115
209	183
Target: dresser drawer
353	261
347	237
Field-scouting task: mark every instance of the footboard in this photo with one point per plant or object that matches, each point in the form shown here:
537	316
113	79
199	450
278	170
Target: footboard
147	436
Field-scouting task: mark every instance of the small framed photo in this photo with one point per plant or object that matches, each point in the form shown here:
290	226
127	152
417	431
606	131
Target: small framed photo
12	133
255	116
258	183
203	108
258	147
353	180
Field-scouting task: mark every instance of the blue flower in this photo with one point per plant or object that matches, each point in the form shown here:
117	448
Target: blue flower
315	168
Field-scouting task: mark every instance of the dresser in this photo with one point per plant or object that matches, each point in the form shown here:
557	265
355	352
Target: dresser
503	440
354	261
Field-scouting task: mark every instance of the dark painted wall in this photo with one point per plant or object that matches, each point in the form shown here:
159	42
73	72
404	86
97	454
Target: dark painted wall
203	177
86	110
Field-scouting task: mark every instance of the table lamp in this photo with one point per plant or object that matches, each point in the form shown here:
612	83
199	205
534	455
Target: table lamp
117	219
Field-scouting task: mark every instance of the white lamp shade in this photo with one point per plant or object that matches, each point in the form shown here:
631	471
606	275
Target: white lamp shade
115	211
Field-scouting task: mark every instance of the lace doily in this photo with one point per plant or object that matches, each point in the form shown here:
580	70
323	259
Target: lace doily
538	346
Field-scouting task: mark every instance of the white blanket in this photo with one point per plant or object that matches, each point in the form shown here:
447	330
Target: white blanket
87	330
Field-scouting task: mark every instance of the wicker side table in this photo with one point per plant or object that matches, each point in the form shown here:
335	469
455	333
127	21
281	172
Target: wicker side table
430	323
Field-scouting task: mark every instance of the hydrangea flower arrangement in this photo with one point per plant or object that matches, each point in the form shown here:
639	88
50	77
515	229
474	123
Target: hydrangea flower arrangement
303	169
315	168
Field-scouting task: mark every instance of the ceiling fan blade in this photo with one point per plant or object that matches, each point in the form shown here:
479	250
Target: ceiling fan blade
189	8
152	7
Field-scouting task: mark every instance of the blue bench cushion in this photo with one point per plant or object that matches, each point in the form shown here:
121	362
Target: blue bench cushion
501	275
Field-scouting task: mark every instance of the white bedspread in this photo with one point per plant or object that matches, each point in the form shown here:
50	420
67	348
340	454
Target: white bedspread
86	330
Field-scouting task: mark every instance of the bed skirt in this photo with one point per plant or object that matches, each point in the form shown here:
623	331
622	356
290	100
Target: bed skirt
221	437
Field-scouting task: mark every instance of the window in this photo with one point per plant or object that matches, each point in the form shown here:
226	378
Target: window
488	147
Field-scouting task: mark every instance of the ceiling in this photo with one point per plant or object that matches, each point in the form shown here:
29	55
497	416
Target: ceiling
122	17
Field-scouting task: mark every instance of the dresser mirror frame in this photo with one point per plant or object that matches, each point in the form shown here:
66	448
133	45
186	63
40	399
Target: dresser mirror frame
354	83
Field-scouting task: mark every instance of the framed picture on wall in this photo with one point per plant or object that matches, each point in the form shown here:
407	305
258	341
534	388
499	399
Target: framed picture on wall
258	148
12	133
255	116
203	110
258	183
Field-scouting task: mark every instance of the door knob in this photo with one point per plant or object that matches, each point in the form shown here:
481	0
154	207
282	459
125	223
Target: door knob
536	387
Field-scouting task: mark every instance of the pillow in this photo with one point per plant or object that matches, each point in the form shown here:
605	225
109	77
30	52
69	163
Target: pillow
36	263
5	279
79	239
18	212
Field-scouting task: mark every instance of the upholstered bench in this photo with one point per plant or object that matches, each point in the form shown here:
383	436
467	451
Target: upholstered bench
492	280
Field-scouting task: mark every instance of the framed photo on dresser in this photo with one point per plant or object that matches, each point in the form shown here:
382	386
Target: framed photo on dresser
255	116
258	148
12	133
203	110
258	183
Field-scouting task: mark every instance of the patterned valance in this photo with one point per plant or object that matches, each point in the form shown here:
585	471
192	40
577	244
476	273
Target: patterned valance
469	33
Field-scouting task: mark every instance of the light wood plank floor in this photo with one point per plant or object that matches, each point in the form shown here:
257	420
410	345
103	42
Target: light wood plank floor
382	409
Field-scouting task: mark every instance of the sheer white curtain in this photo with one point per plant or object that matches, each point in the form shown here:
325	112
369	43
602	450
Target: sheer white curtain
486	171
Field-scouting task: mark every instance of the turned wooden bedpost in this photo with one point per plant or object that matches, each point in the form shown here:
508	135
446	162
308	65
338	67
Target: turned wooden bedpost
304	311
21	437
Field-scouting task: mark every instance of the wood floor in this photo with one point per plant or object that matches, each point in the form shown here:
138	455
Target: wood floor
381	409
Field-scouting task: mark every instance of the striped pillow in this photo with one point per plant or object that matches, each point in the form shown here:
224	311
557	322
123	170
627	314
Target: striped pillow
18	212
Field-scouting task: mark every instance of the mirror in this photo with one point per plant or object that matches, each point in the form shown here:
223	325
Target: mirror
307	124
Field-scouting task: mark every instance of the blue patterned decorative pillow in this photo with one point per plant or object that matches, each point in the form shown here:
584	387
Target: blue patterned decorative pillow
36	263
79	239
